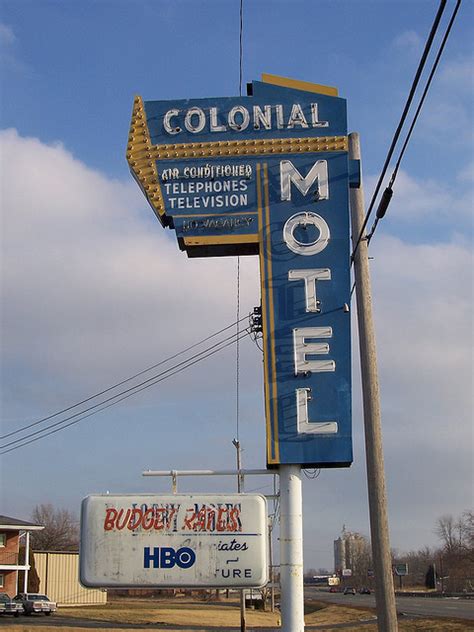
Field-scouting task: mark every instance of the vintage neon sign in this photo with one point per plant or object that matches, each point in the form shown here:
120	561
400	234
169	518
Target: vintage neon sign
238	118
269	174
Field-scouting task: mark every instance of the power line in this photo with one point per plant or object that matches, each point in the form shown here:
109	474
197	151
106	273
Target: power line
387	194
23	442
133	388
114	386
237	356
403	117
44	432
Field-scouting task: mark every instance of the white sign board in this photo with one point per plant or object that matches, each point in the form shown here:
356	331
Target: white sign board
192	541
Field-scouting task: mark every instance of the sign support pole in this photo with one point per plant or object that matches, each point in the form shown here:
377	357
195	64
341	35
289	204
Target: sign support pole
27	562
384	593
243	623
291	549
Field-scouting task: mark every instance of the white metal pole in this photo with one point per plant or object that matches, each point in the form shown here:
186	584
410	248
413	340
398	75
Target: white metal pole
243	623
291	549
270	574
27	561
384	593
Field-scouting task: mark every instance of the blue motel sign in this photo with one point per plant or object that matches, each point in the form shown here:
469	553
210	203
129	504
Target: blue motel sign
269	174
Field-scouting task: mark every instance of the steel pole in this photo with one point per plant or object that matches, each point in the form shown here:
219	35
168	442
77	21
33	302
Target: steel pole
291	549
384	593
270	574
243	623
27	562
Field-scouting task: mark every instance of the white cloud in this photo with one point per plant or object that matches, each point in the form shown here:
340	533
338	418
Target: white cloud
92	287
424	314
408	41
446	121
428	200
423	308
7	36
467	173
8	51
457	76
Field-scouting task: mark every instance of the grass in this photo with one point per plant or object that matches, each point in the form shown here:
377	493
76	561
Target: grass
185	611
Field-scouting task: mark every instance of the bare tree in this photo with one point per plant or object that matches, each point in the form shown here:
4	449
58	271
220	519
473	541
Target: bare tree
418	564
467	521
61	529
449	531
457	553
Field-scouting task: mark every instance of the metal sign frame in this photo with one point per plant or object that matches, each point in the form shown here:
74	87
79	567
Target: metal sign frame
269	173
178	540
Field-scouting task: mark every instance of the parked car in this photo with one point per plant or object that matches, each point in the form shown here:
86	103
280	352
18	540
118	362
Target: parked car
364	590
349	591
10	606
35	602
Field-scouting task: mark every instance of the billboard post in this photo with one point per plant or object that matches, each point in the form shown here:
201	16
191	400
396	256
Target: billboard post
291	549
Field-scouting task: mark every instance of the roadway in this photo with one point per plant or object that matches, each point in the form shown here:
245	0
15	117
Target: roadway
449	607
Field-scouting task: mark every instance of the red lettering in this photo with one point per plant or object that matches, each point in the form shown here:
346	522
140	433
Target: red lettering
172	513
189	519
159	519
124	522
132	524
149	513
110	517
235	523
200	524
211	520
221	520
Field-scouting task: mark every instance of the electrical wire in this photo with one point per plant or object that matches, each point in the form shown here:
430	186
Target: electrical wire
133	388
403	117
387	195
45	432
128	379
24	439
237	356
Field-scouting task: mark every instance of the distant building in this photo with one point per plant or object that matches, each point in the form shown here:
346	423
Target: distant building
348	551
340	556
12	531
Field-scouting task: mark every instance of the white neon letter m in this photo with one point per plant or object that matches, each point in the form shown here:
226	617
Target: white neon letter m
290	174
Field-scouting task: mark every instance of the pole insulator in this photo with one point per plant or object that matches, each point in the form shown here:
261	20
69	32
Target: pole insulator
384	202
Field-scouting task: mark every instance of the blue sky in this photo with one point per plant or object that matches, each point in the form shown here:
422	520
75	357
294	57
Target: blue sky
93	289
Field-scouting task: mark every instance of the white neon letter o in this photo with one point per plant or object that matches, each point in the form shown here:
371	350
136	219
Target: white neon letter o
188	124
239	109
304	219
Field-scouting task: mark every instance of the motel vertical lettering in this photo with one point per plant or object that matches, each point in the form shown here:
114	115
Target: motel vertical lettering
304	263
301	348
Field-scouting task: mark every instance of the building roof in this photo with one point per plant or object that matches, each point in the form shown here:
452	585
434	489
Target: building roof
14	524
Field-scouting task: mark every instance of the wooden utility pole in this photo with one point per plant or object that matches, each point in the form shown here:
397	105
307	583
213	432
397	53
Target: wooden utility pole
384	593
